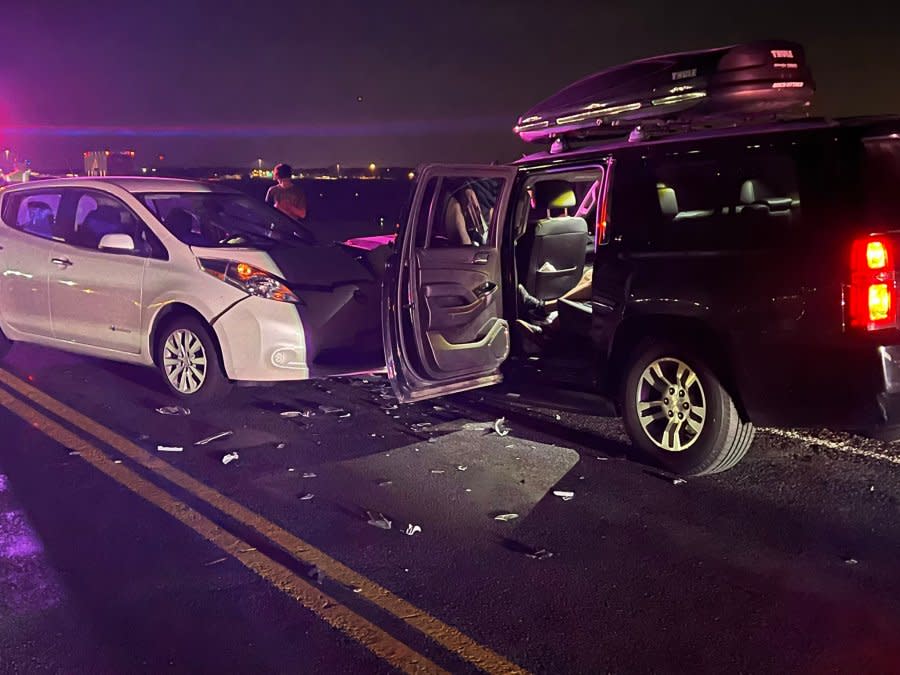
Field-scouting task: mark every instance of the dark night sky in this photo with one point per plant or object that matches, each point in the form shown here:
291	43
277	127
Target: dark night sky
440	80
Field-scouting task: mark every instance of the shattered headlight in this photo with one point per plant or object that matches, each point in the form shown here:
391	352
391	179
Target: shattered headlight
249	279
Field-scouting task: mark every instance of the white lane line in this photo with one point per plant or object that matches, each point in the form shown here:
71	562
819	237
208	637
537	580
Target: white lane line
832	445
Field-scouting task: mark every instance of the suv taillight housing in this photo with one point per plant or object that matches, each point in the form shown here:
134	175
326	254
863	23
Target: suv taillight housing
873	284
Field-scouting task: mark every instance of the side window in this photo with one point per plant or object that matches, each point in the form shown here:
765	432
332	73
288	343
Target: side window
745	196
35	212
97	215
463	213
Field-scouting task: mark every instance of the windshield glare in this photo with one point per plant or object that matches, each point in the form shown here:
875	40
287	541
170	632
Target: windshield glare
222	219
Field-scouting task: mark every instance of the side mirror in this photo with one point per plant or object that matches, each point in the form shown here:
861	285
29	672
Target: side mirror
117	243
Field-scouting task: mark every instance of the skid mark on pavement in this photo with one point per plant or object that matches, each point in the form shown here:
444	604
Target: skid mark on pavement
833	445
450	638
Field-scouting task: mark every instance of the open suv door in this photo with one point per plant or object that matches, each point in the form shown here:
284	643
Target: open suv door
442	310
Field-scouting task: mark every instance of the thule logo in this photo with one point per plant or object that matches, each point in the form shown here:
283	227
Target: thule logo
684	74
782	54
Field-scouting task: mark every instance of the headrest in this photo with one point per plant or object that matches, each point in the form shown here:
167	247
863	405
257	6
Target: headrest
753	191
43	206
554	194
668	201
104	214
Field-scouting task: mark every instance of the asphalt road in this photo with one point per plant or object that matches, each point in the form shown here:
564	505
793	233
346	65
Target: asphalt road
116	557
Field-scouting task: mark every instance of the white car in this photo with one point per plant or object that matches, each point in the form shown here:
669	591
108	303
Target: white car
205	283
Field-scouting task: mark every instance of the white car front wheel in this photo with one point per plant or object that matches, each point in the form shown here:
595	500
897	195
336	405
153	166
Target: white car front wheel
189	361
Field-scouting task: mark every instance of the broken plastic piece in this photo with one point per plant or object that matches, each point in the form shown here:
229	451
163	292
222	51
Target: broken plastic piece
331	410
381	521
307	497
412	529
565	495
506	517
280	446
461	467
215	562
678	481
513	394
540	554
230	457
500	427
385	483
298	413
309	474
851	561
169	448
437	471
173	410
214	437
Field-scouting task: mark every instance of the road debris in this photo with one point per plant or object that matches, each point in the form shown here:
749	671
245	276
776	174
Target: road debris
309	474
461	467
298	413
565	495
851	561
280	446
540	554
230	457
678	481
381	521
419	426
307	497
506	517
385	483
173	410
316	573
412	529
169	448
438	471
331	410
215	562
513	394
214	437
500	427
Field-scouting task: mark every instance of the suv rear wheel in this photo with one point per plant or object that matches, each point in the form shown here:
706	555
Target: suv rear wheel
678	414
189	361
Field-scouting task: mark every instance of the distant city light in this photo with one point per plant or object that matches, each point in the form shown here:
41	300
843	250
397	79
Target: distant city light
372	166
411	175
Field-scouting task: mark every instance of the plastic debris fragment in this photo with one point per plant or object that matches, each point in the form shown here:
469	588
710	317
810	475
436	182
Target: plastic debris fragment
500	427
437	471
678	481
309	474
230	457
461	467
214	437
540	554
173	410
565	495
412	529
851	561
169	448
307	497
381	521
506	517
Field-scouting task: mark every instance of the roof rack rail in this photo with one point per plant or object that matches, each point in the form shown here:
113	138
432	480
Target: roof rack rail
727	86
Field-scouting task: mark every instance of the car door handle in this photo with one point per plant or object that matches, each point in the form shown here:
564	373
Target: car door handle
62	262
481	258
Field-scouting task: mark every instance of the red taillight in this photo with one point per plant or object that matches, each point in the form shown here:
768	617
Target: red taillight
873	285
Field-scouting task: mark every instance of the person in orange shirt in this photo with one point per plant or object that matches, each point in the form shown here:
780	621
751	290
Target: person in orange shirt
285	195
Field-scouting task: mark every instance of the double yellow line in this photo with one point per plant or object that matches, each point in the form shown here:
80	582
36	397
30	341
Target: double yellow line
339	616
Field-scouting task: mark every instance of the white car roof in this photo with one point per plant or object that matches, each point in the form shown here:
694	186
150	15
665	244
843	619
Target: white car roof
135	184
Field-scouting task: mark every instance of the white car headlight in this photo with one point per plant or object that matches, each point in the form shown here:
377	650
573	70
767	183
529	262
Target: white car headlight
249	279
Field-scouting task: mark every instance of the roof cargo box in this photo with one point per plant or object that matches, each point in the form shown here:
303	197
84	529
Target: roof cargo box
729	83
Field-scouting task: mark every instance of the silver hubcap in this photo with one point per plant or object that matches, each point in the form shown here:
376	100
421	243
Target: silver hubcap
671	405
184	361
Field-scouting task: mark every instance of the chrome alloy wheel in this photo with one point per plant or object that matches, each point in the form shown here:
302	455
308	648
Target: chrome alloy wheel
671	405
184	361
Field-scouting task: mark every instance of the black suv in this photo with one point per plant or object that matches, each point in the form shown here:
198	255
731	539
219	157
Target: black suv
705	279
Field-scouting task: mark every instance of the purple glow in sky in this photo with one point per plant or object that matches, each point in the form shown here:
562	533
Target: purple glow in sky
317	83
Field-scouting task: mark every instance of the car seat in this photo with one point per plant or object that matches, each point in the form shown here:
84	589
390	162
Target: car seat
551	254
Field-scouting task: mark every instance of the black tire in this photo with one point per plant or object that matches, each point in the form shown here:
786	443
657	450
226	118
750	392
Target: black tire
214	386
715	444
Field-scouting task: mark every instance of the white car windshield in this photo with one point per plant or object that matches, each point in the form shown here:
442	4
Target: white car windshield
222	219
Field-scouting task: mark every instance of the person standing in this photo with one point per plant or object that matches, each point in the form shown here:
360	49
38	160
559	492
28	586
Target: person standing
285	195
